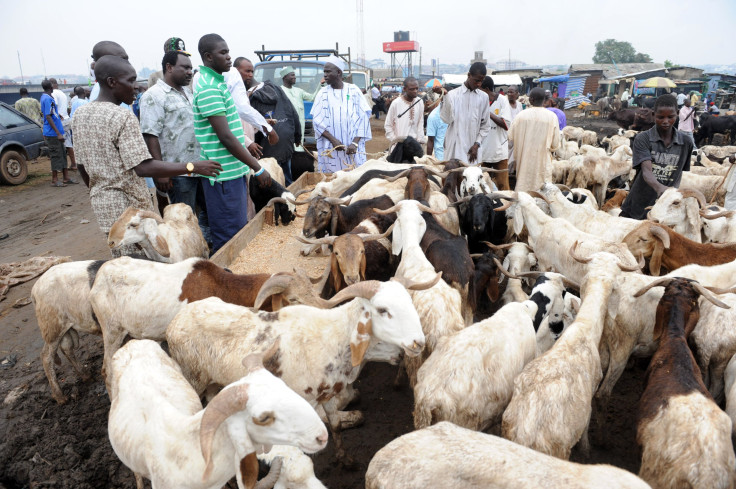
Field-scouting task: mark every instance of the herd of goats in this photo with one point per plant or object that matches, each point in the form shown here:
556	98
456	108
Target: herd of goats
509	312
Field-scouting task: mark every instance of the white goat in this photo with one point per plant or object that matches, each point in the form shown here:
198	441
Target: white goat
596	172
453	383
320	351
448	456
551	404
680	210
341	180
172	239
297	471
158	428
589	138
572	133
590	150
567	150
730	381
711	186
719	225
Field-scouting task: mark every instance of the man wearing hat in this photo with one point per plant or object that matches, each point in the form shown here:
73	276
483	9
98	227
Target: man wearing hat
341	119
297	96
171	44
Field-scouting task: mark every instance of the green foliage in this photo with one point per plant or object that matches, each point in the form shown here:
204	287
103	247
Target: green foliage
612	50
669	64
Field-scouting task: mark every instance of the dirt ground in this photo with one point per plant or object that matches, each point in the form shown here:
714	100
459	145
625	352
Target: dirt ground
43	444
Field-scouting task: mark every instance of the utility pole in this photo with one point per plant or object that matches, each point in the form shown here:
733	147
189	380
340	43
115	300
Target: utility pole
360	32
44	64
22	80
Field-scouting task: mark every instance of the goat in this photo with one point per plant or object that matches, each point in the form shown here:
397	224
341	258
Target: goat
297	471
158	428
590	150
719	225
453	383
567	150
125	289
612	143
595	173
613	205
328	215
730	381
172	239
320	351
571	133
684	435
277	195
711	186
551	404
483	220
445	455
666	248
680	210
589	138
342	180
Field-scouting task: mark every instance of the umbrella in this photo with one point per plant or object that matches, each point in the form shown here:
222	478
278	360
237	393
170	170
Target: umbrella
658	82
434	82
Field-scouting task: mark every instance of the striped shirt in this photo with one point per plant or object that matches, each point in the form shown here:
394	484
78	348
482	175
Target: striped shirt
212	98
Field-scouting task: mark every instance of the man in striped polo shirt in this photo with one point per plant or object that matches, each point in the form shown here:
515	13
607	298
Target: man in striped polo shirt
219	131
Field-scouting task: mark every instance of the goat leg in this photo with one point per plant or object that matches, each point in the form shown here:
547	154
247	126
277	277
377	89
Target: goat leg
48	352
333	418
68	343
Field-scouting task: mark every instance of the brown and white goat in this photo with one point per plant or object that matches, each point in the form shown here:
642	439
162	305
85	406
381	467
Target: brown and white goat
685	437
671	250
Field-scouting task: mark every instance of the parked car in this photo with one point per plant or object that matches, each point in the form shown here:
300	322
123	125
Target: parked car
21	139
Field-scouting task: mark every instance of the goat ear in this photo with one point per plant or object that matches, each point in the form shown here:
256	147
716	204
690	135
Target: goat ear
518	221
655	262
157	241
396	240
336	274
362	267
277	302
492	290
247	473
360	339
462	188
692	211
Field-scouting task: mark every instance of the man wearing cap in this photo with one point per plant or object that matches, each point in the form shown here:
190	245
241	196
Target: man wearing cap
297	96
341	119
171	44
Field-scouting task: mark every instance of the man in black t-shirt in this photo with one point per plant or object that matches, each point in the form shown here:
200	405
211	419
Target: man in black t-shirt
661	154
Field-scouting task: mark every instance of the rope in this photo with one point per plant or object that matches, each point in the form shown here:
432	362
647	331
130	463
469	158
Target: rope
328	152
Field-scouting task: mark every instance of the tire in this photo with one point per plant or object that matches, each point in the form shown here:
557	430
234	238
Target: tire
13	168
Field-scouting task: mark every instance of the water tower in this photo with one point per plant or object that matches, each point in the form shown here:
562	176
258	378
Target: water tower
401	50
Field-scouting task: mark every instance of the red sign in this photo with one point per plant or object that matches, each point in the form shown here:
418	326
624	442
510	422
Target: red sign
400	46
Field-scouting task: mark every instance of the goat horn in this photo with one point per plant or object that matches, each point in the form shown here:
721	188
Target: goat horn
366	289
296	202
277	199
397	176
570	284
504	206
538	195
493	170
708	295
301	192
662	282
328	240
697	194
151	215
277	284
390	210
461	201
412	285
726	214
575	256
503	270
441	174
476	255
375	237
338	201
228	402
273	475
497	247
424	208
254	361
719	291
658	231
632	268
564	187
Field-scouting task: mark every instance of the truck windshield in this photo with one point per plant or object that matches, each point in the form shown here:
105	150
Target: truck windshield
308	75
360	80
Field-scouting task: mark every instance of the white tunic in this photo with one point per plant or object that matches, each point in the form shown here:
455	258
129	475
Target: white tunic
411	123
466	113
496	144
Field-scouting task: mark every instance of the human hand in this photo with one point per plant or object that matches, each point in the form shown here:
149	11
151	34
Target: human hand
255	150
473	153
337	145
264	179
273	138
60	137
438	90
207	168
352	149
163	184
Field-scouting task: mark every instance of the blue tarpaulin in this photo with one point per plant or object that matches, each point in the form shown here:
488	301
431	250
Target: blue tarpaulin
557	79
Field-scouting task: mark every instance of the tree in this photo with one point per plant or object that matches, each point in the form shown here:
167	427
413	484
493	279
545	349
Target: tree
611	50
668	64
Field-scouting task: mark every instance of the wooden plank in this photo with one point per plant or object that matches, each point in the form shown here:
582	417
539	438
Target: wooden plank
230	251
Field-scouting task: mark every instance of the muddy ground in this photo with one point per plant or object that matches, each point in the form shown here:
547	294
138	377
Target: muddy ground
44	445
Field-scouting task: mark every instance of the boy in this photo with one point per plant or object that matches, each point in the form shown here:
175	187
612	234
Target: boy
661	154
53	133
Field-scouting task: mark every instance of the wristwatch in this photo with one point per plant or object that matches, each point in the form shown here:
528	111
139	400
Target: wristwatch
190	167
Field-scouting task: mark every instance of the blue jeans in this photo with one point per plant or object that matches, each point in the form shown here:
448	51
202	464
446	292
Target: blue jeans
227	209
184	191
286	167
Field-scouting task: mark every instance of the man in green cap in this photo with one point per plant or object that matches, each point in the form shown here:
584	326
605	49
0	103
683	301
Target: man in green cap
296	95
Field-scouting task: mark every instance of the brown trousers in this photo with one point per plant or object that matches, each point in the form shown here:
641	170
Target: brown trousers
500	179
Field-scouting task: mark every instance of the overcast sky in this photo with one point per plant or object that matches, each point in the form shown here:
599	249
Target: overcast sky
537	32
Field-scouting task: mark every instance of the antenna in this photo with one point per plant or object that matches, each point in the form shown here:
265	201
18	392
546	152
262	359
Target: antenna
22	80
44	64
360	31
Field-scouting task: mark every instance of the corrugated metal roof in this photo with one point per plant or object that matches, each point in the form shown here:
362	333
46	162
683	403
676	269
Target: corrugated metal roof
610	71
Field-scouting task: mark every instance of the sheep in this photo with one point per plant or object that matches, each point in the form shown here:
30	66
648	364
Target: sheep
445	455
169	240
551	238
567	150
595	173
551	404
684	435
297	471
320	351
157	426
61	300
680	210
711	186
718	225
453	383
730	380
589	138
124	290
666	248
440	308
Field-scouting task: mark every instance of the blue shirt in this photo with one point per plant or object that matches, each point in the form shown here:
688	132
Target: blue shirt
48	107
437	128
560	116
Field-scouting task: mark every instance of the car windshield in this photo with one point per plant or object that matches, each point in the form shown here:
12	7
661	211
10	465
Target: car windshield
360	80
308	75
10	119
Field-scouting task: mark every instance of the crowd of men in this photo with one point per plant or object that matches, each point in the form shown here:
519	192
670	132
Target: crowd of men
200	132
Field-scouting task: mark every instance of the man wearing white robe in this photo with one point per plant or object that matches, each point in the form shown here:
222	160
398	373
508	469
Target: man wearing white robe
406	115
466	110
341	120
535	133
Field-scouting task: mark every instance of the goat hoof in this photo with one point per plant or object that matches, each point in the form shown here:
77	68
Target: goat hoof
60	399
350	419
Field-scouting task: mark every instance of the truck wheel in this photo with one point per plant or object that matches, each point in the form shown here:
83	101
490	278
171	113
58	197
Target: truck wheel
13	168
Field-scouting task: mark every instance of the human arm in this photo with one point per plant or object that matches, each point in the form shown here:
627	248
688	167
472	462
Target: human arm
246	112
650	179
388	124
446	112
430	144
154	147
47	107
231	143
419	123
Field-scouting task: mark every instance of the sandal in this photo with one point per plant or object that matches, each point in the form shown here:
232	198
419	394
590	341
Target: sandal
70	182
58	184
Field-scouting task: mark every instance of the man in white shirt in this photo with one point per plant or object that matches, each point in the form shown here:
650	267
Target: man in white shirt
681	99
62	105
625	98
465	110
495	147
239	81
376	98
406	115
514	105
